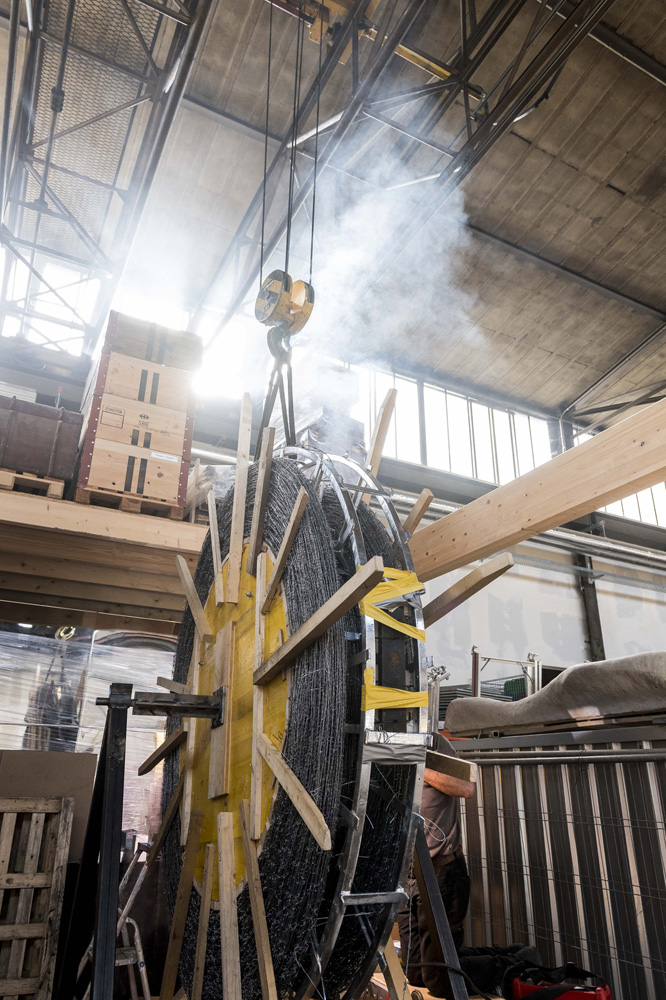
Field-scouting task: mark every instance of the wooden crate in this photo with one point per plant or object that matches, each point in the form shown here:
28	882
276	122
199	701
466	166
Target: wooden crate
150	342
144	473
145	381
130	421
37	439
34	845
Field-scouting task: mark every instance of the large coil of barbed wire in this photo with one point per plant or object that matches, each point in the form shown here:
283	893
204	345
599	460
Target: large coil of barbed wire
293	868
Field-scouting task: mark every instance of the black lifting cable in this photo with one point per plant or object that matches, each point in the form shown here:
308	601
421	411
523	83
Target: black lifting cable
300	38
268	103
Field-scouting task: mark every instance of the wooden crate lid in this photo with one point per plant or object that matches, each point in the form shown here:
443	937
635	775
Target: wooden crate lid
151	342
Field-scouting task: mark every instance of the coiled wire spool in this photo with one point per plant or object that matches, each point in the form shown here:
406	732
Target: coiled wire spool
323	745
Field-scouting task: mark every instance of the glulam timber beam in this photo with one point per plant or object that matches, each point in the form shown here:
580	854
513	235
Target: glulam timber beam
628	457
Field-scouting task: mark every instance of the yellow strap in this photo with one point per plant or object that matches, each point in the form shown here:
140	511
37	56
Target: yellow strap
376	696
396	583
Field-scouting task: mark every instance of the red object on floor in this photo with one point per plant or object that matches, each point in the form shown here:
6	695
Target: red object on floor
575	993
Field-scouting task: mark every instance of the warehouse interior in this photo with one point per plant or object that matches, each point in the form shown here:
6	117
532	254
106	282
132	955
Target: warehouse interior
332	499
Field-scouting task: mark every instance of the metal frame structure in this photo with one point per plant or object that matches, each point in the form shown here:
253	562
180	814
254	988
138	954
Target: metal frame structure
457	119
97	98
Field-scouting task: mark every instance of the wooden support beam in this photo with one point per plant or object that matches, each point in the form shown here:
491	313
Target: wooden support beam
167	819
220	737
215	548
258	703
301	799
229	944
626	458
191	748
174	686
39	614
262	941
204	916
413	519
240	493
170	744
201	623
466	587
394	971
379	433
455	767
349	594
180	909
260	498
285	548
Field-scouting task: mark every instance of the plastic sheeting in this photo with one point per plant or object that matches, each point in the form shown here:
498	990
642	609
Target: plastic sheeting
48	689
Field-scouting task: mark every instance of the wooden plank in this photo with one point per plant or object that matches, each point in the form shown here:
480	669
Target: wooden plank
285	548
421	505
240	493
10	932
215	548
128	577
226	869
170	744
174	686
18	987
21	805
330	612
106	606
257	703
455	767
626	458
262	940
466	587
181	907
56	896
17	880
191	745
260	499
378	439
220	737
200	621
395	971
109	526
301	799
25	896
204	916
167	819
6	840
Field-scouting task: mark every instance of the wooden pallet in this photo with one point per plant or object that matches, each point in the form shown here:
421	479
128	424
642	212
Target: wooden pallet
25	482
130	502
34	846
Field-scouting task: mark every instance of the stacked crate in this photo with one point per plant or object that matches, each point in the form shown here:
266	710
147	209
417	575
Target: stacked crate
138	419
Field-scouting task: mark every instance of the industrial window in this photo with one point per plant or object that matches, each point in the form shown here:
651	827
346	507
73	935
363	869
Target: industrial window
460	434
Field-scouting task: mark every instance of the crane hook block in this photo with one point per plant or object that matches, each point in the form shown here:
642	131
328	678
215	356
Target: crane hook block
284	303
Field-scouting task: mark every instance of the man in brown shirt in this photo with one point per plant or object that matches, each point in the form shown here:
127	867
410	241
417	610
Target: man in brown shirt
441	813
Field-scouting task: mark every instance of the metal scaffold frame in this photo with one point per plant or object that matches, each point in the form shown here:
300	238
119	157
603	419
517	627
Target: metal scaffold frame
457	118
82	135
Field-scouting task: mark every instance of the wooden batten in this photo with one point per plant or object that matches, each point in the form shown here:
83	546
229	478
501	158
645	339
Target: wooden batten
454	767
466	587
201	622
626	458
421	504
238	509
170	744
379	434
180	909
260	498
174	686
262	941
301	799
285	548
220	737
229	944
330	612
215	549
254	812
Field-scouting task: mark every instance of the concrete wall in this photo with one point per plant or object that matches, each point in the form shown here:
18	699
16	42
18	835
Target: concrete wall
538	609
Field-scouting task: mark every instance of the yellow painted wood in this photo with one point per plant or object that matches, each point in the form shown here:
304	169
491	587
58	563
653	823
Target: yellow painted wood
275	713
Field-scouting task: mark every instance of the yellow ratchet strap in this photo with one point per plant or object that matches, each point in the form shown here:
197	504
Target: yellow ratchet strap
375	696
396	583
